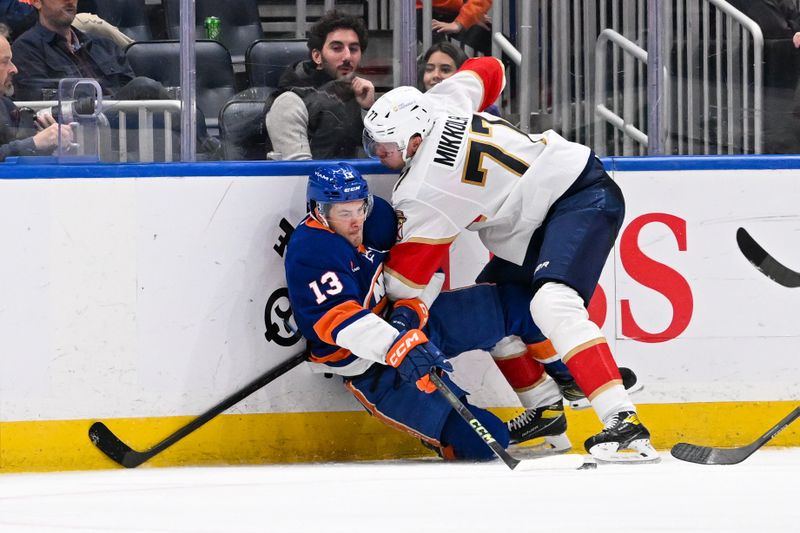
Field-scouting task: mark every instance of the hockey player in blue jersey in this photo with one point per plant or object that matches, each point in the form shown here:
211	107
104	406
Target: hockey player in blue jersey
334	270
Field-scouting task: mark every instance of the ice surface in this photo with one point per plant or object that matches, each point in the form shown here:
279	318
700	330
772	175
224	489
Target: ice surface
758	495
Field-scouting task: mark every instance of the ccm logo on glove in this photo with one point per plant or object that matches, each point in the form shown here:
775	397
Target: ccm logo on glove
401	348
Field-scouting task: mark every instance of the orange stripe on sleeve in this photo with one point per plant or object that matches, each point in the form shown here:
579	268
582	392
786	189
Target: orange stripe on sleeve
338	355
333	318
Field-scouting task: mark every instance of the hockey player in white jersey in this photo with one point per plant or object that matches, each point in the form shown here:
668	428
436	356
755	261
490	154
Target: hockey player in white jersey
544	207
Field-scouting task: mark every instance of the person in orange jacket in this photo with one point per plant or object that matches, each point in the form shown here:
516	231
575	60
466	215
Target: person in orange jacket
467	21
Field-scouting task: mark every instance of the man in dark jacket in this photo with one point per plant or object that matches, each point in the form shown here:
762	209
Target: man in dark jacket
317	111
54	49
15	138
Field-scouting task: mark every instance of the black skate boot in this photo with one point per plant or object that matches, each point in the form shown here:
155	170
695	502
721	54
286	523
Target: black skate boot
624	439
577	400
548	421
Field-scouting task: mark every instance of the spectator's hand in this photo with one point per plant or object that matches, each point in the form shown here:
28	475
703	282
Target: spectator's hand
446	27
364	91
44	119
796	40
48	137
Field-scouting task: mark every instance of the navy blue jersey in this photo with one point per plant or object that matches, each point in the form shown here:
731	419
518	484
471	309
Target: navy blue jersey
337	291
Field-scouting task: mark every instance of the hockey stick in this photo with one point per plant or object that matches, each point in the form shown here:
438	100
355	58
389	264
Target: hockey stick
765	263
570	461
706	455
121	453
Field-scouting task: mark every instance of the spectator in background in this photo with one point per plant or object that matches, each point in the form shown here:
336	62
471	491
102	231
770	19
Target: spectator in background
54	49
15	138
467	21
21	16
442	60
316	111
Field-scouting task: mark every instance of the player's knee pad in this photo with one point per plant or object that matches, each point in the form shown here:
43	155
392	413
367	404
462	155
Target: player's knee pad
559	312
466	444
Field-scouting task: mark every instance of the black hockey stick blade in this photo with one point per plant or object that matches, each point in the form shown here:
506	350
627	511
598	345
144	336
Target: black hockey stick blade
707	455
765	263
119	452
569	461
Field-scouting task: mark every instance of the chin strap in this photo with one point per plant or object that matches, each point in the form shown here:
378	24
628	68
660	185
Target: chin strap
319	217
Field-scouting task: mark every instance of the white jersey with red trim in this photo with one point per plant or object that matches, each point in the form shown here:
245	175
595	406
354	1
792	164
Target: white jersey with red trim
474	171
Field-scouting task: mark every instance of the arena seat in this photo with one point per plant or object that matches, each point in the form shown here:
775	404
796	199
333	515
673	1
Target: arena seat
240	22
266	59
242	129
160	60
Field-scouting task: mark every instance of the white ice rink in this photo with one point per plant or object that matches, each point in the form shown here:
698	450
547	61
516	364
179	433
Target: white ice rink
761	494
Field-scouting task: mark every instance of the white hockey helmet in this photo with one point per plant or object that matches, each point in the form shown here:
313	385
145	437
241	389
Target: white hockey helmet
393	119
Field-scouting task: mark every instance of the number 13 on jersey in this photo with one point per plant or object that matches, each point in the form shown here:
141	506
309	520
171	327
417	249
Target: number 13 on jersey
330	286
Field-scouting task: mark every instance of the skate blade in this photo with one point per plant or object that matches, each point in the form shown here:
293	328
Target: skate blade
638	451
568	461
550	445
583	403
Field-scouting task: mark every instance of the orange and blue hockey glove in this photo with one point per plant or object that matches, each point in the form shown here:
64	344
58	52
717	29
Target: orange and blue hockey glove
414	356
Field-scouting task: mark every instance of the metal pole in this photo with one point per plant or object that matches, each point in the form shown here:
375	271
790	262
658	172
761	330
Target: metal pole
525	39
497	26
405	30
188	78
427	19
396	43
655	78
300	20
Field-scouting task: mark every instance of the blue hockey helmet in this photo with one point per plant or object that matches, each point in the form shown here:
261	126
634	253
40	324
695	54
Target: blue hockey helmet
336	183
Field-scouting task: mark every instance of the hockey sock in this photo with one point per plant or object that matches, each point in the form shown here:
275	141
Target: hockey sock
596	373
462	440
524	373
559	312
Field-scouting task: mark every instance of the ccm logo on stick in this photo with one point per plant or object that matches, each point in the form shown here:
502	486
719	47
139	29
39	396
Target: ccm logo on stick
485	435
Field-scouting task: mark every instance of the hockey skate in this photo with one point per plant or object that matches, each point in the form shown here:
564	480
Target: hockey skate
624	439
574	396
548	421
